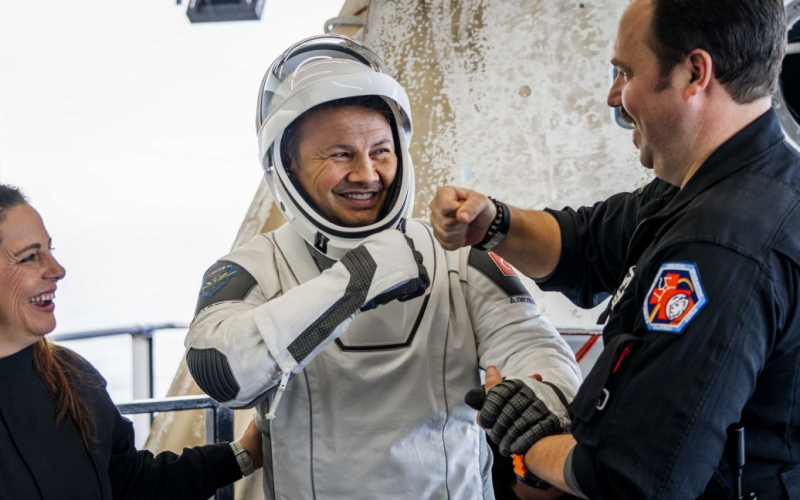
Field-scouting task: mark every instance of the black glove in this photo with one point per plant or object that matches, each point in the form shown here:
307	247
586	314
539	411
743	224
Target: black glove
513	415
405	291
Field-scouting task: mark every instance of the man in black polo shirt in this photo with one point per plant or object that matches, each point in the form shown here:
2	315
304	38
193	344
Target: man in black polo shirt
702	264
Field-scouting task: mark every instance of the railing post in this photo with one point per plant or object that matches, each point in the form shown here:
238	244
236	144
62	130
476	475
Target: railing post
142	347
223	429
142	352
224	424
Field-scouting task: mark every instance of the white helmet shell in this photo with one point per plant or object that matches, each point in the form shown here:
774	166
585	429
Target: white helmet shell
311	72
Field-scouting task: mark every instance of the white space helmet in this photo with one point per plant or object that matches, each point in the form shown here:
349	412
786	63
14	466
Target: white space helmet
317	70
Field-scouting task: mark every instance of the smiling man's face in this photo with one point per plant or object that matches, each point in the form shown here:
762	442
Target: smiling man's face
347	163
652	102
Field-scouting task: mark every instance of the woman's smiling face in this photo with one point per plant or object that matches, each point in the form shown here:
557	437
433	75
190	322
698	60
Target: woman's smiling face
28	276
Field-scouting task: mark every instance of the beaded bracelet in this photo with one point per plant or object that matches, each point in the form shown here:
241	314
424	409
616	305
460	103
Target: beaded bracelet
498	229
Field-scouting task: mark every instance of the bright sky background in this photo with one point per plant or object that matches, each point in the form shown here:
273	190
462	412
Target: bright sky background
132	132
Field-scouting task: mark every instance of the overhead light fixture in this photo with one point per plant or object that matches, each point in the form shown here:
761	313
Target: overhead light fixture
219	11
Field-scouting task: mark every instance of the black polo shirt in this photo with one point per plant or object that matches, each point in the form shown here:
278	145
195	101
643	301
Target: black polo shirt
704	331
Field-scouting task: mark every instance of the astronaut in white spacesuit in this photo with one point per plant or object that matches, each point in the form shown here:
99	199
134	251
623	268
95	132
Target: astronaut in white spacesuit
350	328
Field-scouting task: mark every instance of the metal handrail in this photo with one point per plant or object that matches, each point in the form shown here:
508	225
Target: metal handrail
142	340
143	330
143	362
219	421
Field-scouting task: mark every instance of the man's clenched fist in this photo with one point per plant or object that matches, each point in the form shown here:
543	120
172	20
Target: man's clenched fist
460	217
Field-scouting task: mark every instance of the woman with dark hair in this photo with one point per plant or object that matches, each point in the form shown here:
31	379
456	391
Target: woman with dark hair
61	437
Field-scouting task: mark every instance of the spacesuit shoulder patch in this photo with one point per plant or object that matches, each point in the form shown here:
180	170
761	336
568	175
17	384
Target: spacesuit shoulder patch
499	272
224	281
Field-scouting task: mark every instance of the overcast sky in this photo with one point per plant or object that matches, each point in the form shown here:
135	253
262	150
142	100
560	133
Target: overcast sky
132	132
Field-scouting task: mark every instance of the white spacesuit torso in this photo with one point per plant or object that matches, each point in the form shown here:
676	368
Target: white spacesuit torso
377	409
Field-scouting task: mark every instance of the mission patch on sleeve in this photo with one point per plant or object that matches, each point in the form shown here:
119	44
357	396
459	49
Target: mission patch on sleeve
222	282
675	298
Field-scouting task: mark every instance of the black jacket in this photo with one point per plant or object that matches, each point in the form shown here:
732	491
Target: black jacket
44	459
703	333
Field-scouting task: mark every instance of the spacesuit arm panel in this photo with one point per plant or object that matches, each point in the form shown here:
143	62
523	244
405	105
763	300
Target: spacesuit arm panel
261	338
227	355
512	333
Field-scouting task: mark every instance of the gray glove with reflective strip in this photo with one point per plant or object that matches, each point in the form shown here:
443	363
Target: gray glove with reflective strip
514	416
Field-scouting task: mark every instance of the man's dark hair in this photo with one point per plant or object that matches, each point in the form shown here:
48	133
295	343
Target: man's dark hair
745	38
290	144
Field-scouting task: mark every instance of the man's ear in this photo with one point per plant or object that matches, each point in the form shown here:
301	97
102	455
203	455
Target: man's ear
700	69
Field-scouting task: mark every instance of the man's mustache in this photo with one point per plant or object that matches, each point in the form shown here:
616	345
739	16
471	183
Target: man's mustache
626	117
